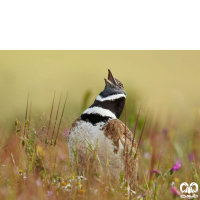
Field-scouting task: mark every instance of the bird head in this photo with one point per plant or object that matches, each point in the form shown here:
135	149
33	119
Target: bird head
113	82
112	86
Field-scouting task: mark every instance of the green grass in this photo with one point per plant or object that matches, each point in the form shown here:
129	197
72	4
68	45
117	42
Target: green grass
34	160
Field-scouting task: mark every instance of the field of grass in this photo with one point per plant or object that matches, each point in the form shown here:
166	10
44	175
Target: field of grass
34	160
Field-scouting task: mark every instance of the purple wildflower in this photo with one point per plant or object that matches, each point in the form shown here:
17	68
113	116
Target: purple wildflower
155	171
176	167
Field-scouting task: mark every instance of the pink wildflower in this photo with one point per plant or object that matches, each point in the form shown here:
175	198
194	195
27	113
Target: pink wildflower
174	191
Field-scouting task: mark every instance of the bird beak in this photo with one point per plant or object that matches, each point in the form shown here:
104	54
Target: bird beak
111	77
108	82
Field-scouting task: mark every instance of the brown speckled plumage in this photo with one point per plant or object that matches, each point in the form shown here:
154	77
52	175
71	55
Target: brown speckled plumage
116	130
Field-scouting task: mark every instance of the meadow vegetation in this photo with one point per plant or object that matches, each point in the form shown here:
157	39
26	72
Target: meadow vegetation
34	160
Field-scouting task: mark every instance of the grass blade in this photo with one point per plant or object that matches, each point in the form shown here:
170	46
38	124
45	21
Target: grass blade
56	117
61	118
136	124
26	116
51	114
141	134
29	120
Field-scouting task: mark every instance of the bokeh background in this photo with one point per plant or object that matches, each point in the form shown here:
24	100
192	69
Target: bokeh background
167	82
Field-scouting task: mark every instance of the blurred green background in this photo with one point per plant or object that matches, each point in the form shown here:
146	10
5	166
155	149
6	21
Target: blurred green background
167	82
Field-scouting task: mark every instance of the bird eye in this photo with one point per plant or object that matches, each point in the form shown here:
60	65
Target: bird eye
119	84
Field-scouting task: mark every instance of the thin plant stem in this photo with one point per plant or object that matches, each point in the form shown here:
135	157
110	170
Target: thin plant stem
61	118
29	120
56	117
51	114
136	124
141	134
26	116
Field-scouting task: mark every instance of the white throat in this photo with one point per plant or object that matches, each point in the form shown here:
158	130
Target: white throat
101	111
110	98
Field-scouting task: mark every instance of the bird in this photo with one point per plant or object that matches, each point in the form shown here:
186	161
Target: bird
98	139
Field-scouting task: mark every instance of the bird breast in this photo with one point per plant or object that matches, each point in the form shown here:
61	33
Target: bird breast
87	139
